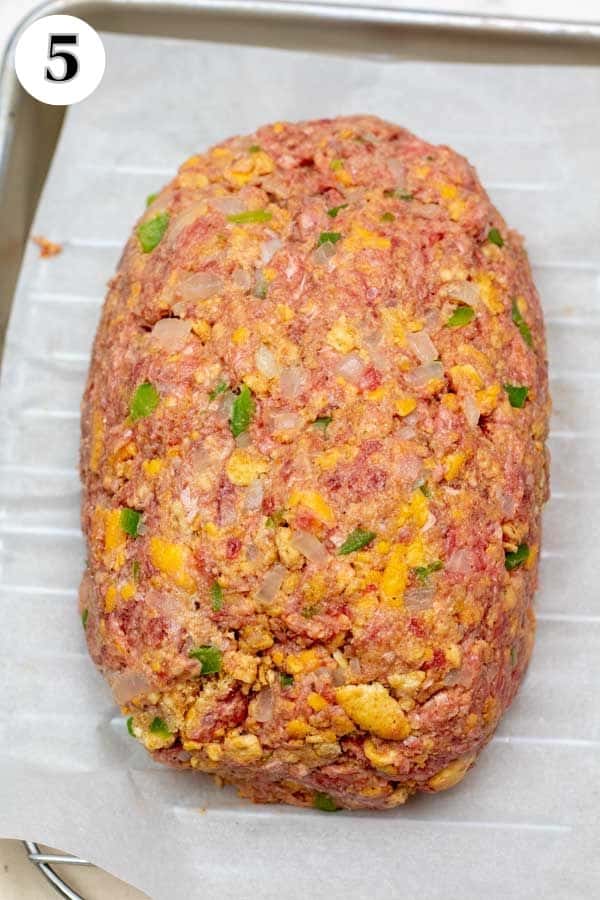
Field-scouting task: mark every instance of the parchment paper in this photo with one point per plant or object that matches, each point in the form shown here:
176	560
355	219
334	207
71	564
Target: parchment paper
525	821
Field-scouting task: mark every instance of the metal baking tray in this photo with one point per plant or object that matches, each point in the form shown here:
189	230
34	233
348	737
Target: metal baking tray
29	130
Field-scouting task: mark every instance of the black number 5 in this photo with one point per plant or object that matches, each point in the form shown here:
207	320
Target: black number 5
70	60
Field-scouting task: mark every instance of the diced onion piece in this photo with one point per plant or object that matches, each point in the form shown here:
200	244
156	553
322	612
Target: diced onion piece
465	291
243	439
430	522
422	346
269	248
180	222
307	221
266	362
292	381
243	164
408	467
200	286
228	205
352	195
424	210
432	320
373	344
226	405
419	598
285	421
274	184
242	279
171	334
291	268
309	546
508	504
354	666
340	659
323	253
189	502
227	512
252	552
351	367
406	432
272	582
178	309
338	676
458	676
398	171
263	706
200	460
471	410
425	373
127	685
461	562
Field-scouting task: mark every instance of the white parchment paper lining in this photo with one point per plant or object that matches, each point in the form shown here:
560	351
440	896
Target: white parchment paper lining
525	821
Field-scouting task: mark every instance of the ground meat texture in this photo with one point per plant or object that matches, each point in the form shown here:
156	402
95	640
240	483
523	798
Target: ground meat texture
313	465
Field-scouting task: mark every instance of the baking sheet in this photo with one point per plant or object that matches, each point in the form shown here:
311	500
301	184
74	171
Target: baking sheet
525	821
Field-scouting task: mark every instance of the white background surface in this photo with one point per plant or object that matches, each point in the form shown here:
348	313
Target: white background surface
16	879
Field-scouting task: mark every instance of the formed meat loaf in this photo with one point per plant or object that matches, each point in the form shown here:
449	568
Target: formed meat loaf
313	464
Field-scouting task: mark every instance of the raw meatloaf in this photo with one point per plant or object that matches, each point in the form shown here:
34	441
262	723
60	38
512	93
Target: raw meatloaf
313	464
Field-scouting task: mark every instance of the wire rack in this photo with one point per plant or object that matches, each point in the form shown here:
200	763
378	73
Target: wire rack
44	862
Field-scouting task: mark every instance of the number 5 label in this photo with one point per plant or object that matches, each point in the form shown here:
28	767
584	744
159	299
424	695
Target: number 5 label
60	60
71	61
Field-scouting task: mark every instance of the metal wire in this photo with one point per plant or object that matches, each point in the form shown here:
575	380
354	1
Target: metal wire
44	863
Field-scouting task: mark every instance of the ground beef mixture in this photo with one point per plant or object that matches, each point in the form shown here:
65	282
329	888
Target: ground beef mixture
313	464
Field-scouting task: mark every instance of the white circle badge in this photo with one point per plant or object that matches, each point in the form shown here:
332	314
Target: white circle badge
60	60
